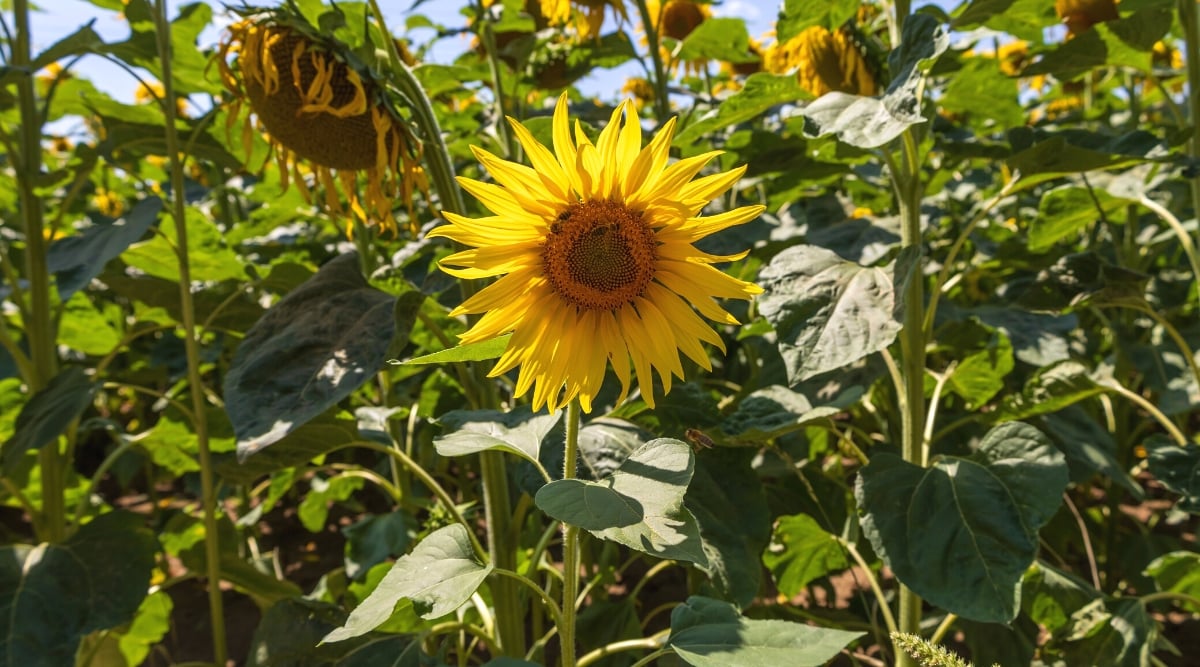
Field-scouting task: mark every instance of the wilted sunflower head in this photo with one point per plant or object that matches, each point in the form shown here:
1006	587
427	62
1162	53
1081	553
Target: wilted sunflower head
586	15
322	113
1081	15
824	61
592	245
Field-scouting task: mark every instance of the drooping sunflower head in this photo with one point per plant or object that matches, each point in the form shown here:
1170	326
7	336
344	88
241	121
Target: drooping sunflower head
640	90
592	245
322	113
824	61
676	19
586	15
1081	15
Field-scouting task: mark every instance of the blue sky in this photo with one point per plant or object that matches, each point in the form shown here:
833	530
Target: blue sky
59	18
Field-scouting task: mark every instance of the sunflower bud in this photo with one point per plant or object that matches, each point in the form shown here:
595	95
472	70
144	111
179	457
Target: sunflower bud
1081	15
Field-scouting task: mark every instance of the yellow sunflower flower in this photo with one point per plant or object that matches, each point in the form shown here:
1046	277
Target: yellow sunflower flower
150	92
321	115
593	247
677	19
587	15
640	89
824	61
1081	15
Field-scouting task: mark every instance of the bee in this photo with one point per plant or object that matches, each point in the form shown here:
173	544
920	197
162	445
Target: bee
556	226
699	439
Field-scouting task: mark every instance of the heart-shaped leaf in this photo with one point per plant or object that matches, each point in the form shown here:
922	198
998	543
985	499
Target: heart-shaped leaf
639	506
438	576
312	349
48	413
710	633
827	311
962	532
52	595
518	432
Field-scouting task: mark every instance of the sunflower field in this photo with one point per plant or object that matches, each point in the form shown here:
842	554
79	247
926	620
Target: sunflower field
606	333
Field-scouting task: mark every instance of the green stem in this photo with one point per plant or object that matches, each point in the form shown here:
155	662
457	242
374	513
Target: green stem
39	328
888	620
1169	595
1185	239
1191	43
1136	398
907	182
483	18
547	601
432	485
654	641
510	613
662	107
212	551
570	591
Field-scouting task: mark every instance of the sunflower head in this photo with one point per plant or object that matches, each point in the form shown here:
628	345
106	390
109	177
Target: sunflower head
322	112
824	61
592	245
677	18
640	90
586	15
1081	15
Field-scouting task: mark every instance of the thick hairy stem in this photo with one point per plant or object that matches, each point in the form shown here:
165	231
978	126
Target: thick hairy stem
570	591
39	328
212	551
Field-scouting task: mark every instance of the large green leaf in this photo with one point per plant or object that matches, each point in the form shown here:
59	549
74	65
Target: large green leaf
85	329
1039	155
726	496
78	258
312	349
827	311
639	506
796	15
961	532
1064	212
481	351
209	259
761	91
775	411
710	633
52	595
518	432
1177	468
48	414
438	576
800	552
310	440
375	538
868	122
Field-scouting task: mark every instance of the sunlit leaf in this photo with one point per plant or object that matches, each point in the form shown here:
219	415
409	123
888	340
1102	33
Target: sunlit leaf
962	532
639	506
800	552
518	432
709	633
827	312
438	576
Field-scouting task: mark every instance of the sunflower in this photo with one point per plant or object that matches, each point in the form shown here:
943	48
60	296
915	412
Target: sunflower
677	19
588	15
1081	15
152	92
321	114
594	246
640	89
824	61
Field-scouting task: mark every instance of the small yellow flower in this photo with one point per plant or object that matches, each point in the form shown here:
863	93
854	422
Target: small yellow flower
109	203
1081	15
824	62
320	114
593	249
152	92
